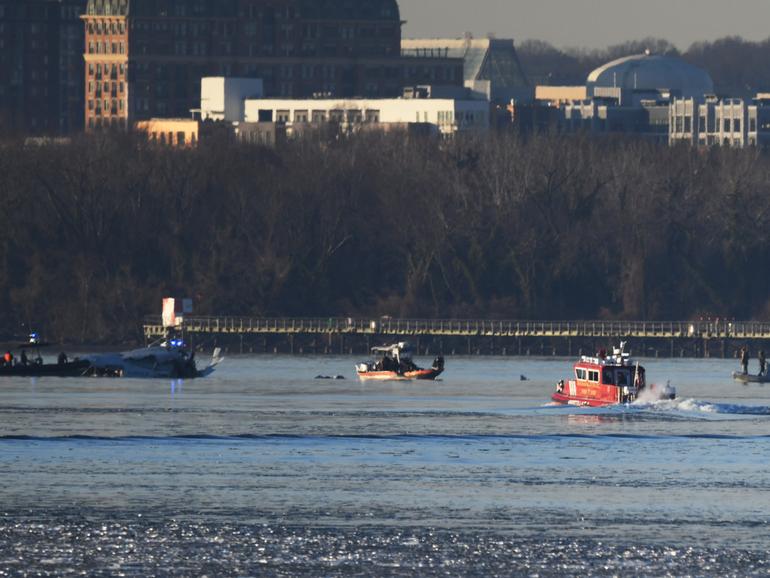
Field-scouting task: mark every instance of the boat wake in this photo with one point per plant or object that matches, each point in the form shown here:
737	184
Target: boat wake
699	406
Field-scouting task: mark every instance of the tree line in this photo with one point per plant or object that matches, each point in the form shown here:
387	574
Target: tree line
739	67
94	234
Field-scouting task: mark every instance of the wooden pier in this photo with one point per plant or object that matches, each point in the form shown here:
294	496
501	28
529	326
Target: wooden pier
448	336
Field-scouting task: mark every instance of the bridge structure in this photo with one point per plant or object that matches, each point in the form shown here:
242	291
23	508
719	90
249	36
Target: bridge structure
507	337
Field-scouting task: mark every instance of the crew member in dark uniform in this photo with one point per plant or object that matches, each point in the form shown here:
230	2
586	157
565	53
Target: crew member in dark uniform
745	360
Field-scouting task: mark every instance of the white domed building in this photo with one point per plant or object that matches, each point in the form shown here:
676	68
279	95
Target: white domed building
645	76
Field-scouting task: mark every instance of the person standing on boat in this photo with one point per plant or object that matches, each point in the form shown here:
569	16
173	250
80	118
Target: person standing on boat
762	362
745	359
8	358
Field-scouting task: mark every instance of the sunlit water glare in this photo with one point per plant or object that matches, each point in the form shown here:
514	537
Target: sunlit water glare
263	470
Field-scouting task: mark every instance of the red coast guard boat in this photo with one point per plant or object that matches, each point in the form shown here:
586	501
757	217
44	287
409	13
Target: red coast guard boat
394	362
608	380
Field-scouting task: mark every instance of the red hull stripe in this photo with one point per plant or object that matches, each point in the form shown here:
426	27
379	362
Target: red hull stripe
582	401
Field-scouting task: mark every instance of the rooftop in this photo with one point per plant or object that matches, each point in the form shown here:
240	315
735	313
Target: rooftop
307	9
484	58
650	72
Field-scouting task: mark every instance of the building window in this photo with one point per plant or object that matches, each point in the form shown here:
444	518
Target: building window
737	125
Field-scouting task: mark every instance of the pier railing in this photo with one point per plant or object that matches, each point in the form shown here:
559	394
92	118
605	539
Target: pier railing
226	325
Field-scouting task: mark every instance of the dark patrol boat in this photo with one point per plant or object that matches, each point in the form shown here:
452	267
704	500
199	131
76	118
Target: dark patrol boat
23	366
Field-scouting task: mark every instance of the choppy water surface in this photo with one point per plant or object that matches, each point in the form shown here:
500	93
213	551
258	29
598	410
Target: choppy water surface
263	470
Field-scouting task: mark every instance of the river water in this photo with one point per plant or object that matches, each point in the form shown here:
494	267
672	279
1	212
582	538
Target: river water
262	470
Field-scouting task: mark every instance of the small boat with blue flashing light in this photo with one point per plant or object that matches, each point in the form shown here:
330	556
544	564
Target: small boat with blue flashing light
33	366
609	380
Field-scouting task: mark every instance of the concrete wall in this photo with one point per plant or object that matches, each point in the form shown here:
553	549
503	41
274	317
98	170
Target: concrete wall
560	94
222	98
177	132
446	114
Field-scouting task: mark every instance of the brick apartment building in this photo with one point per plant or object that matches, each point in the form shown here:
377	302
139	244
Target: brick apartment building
41	66
145	58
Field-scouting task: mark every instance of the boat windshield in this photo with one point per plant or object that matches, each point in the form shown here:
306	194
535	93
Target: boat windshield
623	377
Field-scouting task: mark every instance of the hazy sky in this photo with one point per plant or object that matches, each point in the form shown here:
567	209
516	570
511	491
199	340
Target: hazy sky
589	23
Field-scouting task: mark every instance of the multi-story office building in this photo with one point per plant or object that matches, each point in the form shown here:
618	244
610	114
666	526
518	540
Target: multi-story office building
444	116
731	122
630	95
41	70
145	58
